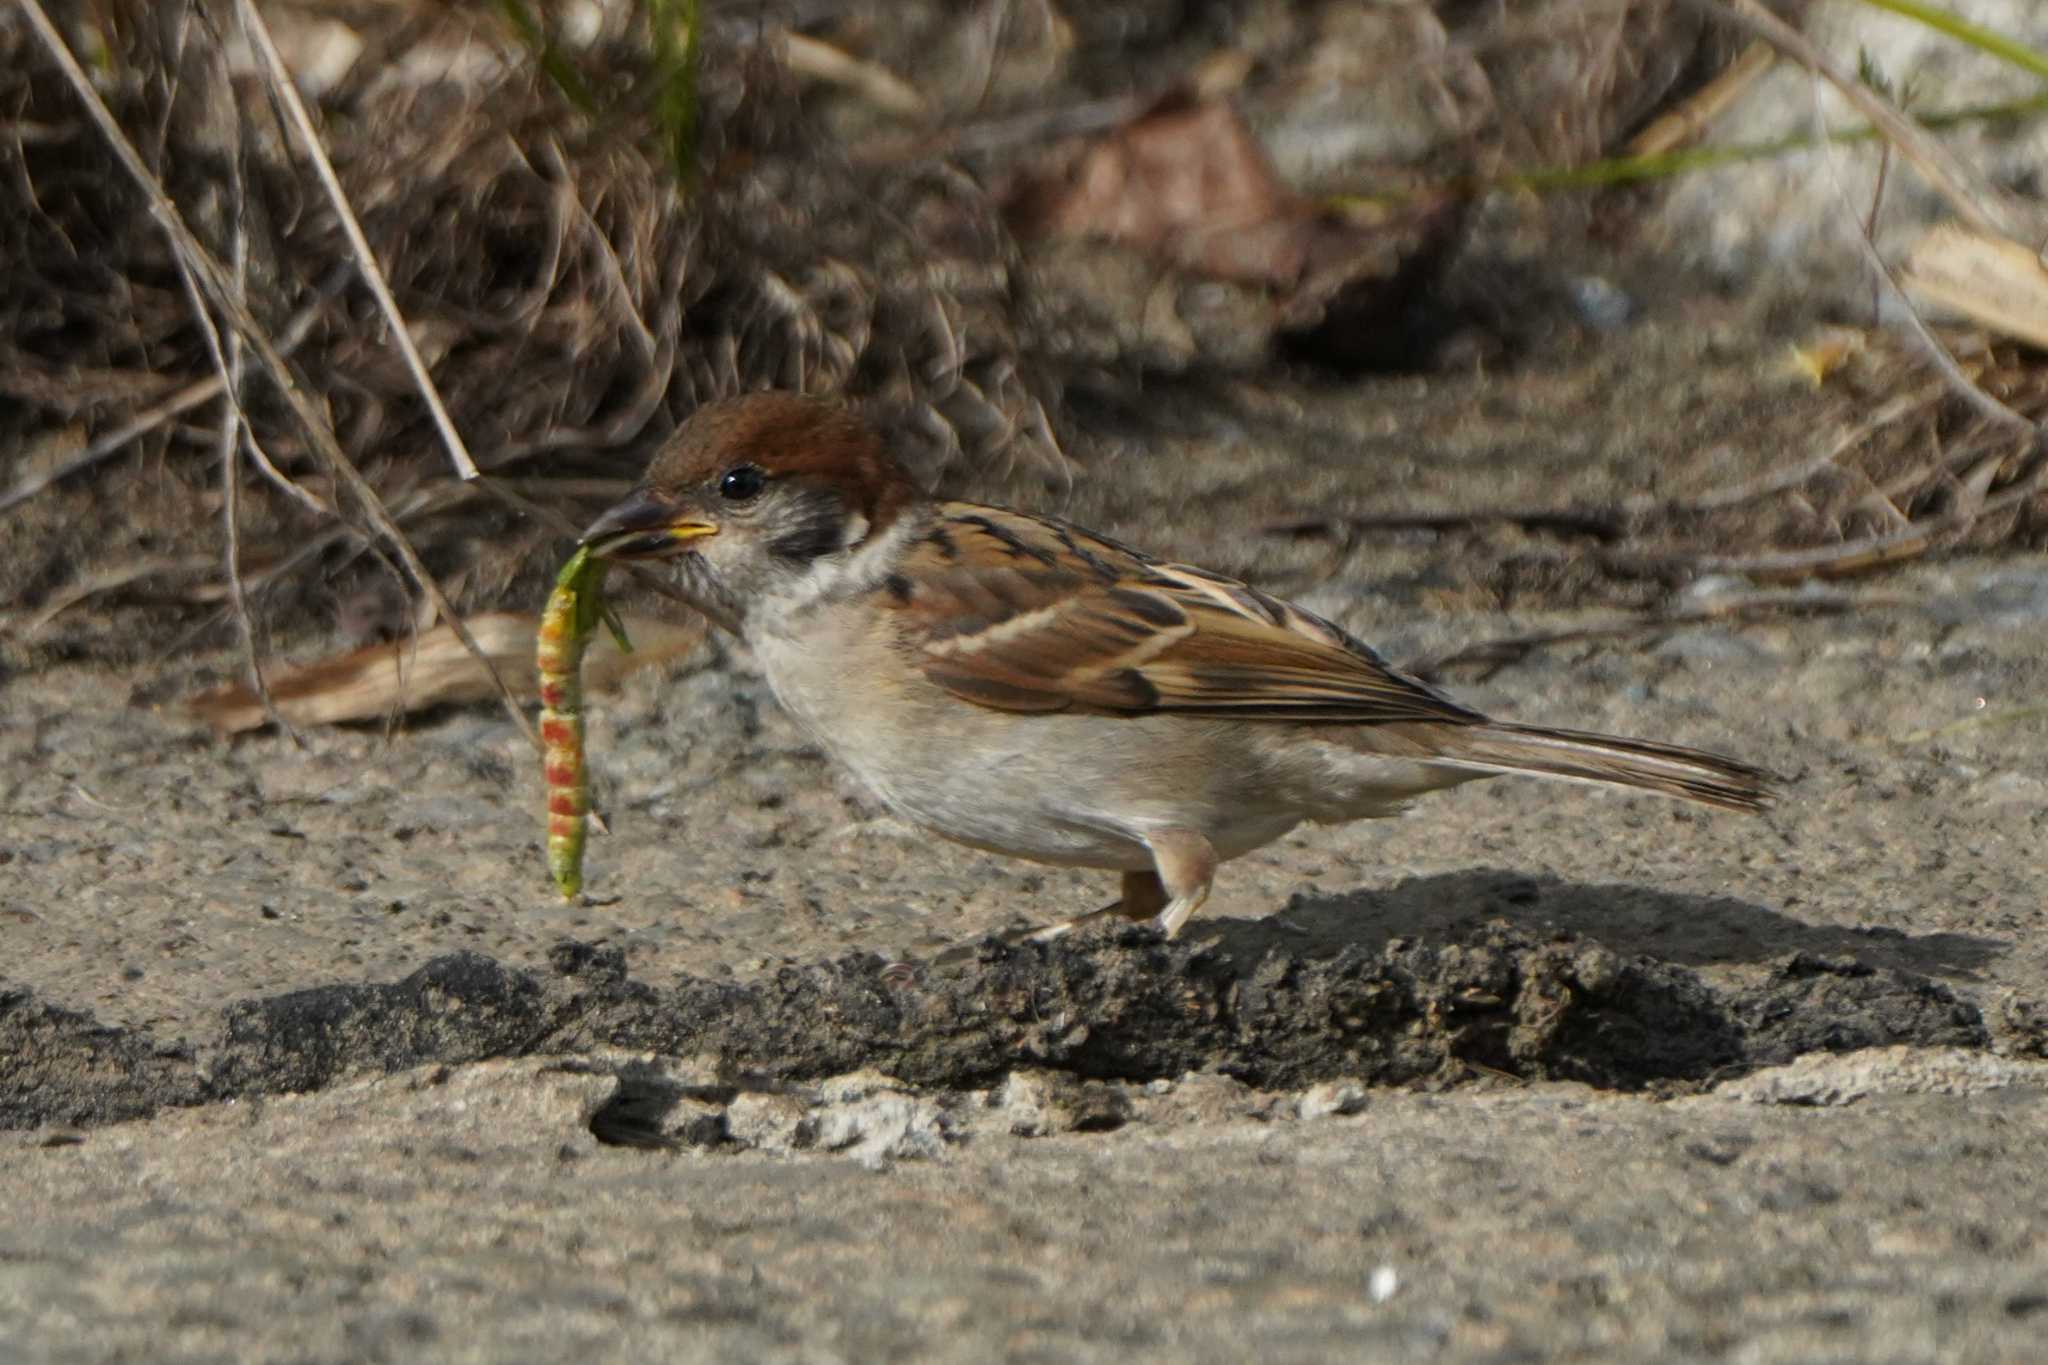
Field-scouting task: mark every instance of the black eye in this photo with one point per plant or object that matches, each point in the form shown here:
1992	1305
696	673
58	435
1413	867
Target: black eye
741	482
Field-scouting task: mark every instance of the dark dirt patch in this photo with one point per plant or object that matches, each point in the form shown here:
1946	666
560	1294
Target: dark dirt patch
60	1066
462	1007
1127	1008
1818	1004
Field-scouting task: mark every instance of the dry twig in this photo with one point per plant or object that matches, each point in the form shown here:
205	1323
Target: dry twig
149	419
1490	656
1692	117
287	94
234	427
1866	244
808	56
1973	197
224	297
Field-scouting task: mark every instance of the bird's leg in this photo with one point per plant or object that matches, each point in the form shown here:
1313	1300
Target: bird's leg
1186	865
1183	864
1143	898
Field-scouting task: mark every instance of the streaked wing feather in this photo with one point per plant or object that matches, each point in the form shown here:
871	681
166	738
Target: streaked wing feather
1024	613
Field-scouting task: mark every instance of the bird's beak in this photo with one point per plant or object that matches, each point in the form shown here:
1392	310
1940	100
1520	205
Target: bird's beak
644	526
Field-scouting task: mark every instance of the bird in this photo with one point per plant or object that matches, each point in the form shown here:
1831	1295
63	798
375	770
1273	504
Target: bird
1019	684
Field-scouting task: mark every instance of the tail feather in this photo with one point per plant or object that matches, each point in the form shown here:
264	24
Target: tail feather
1611	760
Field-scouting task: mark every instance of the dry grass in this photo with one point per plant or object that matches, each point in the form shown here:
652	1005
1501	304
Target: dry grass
572	300
574	297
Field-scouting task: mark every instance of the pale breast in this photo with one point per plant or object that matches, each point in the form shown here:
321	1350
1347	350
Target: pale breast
1068	787
1079	790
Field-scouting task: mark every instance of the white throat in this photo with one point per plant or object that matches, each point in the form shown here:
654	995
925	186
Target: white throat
859	568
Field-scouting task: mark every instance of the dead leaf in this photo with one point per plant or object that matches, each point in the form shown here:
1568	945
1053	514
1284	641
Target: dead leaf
379	680
1992	280
1189	182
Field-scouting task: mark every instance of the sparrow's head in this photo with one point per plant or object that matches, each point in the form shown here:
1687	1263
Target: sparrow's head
753	492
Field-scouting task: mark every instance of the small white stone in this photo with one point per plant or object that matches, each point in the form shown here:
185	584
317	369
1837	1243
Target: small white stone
1330	1097
1029	1102
1834	1079
766	1122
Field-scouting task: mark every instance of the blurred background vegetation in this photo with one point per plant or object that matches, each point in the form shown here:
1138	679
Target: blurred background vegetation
1009	230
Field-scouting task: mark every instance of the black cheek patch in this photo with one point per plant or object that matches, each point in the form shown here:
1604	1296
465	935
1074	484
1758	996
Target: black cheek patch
900	588
822	531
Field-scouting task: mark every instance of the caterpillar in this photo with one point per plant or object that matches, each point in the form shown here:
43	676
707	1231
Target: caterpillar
573	610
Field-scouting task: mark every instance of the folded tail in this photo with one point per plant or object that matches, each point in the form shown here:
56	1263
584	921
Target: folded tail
1579	756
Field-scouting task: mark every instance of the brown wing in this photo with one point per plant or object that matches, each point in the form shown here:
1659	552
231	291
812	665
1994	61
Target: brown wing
1025	613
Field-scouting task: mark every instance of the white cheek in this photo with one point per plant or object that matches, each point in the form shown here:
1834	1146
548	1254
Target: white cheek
833	577
717	551
856	531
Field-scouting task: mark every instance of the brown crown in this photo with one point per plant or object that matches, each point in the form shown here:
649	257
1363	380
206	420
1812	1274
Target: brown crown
789	436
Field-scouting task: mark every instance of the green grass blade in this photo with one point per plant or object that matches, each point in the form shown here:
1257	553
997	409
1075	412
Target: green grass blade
558	67
677	29
1623	170
1962	30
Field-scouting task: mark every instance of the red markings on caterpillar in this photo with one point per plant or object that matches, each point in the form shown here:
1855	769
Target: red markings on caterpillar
574	608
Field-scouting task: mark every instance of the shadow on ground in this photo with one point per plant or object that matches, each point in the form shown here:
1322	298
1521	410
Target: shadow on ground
1695	931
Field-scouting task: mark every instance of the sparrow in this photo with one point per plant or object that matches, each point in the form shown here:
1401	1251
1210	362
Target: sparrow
1024	686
